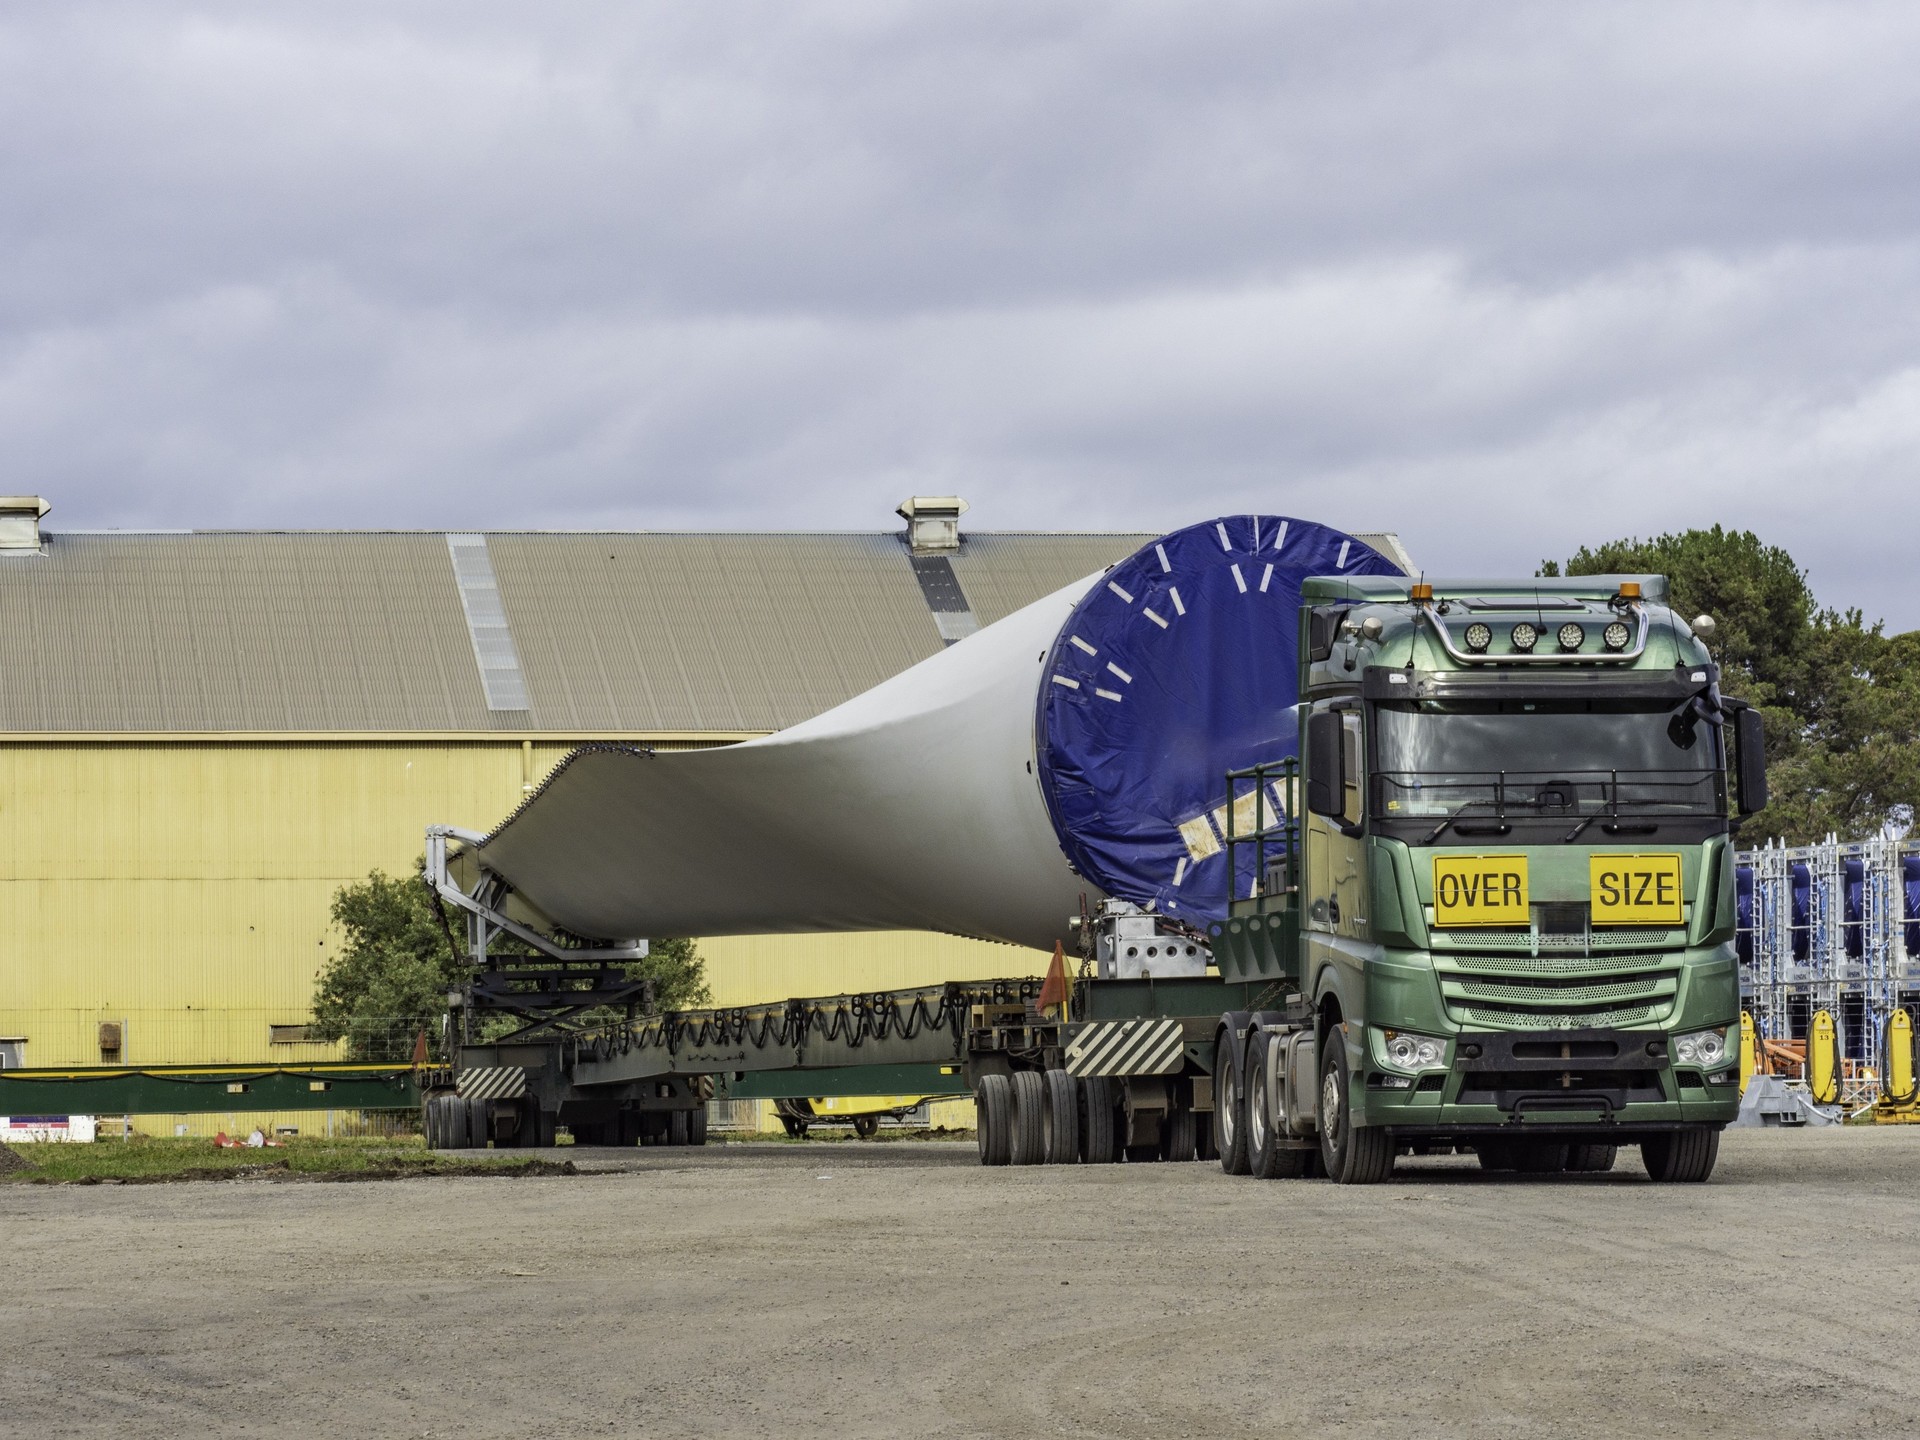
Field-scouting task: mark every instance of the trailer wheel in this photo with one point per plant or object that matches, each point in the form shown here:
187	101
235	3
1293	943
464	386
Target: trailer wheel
676	1127
1063	1118
479	1116
453	1123
1353	1154
1681	1157
1029	1118
1177	1139
866	1126
430	1121
993	1119
1229	1115
697	1126
1269	1157
1591	1159
1099	1141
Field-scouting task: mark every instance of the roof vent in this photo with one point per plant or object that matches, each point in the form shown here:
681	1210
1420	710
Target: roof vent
20	523
933	522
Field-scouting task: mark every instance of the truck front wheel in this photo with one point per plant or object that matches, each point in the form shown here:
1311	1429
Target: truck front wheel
1353	1155
1681	1157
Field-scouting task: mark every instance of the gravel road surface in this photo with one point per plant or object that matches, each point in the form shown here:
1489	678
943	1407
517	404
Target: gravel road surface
896	1289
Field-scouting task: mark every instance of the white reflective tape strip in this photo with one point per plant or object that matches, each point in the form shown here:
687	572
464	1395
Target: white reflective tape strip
1266	579
1281	538
1239	579
1155	618
1121	673
1173	593
1121	593
1166	565
1179	871
1083	645
1225	544
1256	534
1105	694
1199	837
1341	563
1063	680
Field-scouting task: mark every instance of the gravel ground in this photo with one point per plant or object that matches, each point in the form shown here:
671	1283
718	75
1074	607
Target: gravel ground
897	1289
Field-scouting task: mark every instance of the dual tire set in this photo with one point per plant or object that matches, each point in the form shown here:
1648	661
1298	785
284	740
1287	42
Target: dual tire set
1048	1117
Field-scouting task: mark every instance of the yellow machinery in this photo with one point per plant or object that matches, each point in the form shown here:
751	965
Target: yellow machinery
863	1112
1823	1059
1900	1088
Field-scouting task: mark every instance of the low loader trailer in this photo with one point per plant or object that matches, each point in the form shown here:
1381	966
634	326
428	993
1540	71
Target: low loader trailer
1478	897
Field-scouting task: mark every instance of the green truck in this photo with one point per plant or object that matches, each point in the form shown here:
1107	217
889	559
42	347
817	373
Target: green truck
1504	921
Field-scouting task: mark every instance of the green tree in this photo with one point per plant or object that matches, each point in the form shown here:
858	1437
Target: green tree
1839	697
388	977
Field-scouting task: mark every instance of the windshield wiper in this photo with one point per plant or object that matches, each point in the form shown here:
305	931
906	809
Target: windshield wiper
1500	829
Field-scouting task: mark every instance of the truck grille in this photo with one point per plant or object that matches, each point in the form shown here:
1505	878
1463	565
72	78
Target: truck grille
1557	992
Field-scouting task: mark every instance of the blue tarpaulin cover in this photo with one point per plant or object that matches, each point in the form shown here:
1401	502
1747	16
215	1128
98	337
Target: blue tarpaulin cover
1180	665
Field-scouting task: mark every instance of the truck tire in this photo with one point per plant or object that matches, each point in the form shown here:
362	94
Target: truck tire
1229	1115
1269	1157
1353	1155
1593	1159
1029	1145
1178	1140
676	1127
865	1127
479	1126
453	1123
1099	1139
993	1119
697	1126
1681	1157
1063	1118
430	1121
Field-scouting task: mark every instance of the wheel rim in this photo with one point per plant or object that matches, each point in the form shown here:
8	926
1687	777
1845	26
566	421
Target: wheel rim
1330	1105
1231	1092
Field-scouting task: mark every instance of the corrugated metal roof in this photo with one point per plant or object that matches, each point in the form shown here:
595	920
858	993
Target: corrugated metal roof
365	631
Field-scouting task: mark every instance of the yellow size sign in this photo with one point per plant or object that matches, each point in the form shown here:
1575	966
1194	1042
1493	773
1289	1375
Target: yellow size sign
1635	889
1480	890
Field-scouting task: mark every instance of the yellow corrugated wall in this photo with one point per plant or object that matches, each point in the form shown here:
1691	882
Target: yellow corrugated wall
182	888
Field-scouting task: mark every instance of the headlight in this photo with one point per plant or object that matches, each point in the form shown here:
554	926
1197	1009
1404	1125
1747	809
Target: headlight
1414	1052
1709	1047
1616	636
1478	637
1572	636
1525	637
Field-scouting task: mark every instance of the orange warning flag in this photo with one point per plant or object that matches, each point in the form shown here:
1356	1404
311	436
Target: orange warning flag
1054	990
420	1050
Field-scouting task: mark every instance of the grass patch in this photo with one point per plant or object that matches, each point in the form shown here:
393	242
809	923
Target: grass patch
149	1160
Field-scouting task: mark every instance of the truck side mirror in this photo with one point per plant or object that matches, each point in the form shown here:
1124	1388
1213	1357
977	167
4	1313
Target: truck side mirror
1327	765
1751	757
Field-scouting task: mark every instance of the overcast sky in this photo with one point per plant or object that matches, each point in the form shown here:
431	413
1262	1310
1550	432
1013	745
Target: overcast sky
1503	278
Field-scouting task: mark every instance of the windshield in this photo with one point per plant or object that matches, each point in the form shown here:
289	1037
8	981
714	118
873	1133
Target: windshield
1545	757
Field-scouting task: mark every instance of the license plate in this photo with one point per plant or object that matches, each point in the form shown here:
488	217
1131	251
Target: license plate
1635	889
1480	890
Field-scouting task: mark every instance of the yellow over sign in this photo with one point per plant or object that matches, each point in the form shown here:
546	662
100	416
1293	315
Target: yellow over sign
1635	889
1480	890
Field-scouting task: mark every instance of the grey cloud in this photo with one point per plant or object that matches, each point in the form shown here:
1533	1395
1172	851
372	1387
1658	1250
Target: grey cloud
1505	278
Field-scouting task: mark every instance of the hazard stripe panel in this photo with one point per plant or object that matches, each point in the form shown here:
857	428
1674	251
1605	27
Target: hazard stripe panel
1126	1047
491	1082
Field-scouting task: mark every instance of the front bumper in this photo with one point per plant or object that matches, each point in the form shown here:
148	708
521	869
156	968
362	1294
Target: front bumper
1564	1080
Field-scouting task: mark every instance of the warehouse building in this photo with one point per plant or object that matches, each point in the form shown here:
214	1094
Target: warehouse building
206	734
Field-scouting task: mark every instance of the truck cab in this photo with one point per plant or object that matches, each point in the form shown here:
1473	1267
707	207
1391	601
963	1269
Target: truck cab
1495	894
